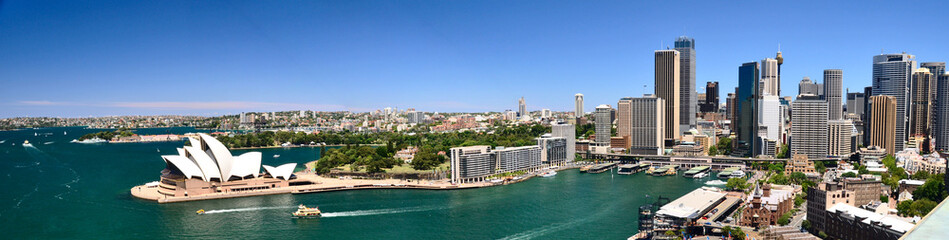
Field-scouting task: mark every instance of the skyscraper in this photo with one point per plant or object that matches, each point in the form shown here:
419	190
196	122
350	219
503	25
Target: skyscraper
941	114
623	117
687	99
769	77
920	109
646	126
936	69
809	126
731	108
770	118
747	111
521	108
891	77
569	132
867	93
833	84
668	88
883	123
839	135
603	126
855	101
711	98
578	105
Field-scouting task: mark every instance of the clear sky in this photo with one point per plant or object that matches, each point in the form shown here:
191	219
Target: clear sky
95	58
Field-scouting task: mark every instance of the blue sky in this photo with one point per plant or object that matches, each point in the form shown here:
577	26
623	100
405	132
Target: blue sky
95	58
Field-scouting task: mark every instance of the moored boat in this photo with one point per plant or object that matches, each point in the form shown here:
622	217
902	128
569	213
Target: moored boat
306	212
550	173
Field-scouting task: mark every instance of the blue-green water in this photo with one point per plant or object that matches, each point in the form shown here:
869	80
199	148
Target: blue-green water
69	190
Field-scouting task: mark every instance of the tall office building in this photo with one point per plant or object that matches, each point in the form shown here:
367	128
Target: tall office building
808	87
769	77
891	77
687	99
623	116
833	84
668	88
867	93
883	123
839	133
603	126
941	114
747	111
647	133
578	105
522	108
770	118
920	100
809	126
936	69
569	132
855	101
711	98
731	107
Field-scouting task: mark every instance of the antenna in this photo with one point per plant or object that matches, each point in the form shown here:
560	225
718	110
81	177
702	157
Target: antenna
779	47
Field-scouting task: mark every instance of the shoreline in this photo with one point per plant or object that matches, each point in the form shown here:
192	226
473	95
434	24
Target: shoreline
297	146
324	184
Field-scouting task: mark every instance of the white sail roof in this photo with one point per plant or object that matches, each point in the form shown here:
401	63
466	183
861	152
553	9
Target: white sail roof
187	167
282	171
208	158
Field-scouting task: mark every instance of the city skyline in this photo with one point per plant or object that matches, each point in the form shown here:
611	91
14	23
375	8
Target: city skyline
214	59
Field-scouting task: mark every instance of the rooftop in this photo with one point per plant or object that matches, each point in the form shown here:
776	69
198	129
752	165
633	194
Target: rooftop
932	226
895	223
691	204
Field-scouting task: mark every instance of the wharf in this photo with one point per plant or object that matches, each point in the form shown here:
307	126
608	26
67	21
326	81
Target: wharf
602	167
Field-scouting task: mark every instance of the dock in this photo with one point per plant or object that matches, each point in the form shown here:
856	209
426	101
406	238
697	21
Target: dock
664	170
727	173
693	172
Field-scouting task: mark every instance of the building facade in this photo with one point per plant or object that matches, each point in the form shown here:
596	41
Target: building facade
668	87
711	98
883	123
920	99
839	137
603	126
833	86
809	126
891	77
941	114
553	150
646	126
578	105
623	117
687	97
747	111
568	132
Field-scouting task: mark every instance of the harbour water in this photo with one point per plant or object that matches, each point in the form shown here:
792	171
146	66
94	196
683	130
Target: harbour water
70	190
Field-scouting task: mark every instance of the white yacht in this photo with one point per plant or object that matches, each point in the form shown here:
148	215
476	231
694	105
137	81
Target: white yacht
26	143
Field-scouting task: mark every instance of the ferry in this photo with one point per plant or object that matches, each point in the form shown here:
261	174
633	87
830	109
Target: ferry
738	174
550	173
26	143
627	169
727	173
90	140
696	172
305	212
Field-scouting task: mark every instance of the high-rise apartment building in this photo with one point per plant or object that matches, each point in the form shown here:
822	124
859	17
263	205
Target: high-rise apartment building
603	126
941	114
809	126
711	98
647	133
833	85
839	133
883	123
687	99
920	108
769	77
668	87
891	77
747	111
521	108
770	117
578	105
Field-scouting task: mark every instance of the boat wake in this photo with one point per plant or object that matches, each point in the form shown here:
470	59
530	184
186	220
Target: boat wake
48	143
715	182
3	141
36	188
245	209
379	211
34	164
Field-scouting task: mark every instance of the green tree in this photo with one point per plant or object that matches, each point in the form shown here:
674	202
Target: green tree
819	166
798	177
933	189
884	198
923	206
724	146
848	175
736	184
905	208
784	152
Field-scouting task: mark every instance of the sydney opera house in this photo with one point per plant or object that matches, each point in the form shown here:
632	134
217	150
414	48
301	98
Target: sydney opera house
206	166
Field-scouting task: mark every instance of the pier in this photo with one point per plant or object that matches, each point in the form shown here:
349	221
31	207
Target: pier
602	167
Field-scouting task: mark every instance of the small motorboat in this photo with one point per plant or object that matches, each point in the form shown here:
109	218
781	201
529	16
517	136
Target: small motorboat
307	212
26	143
200	212
550	173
